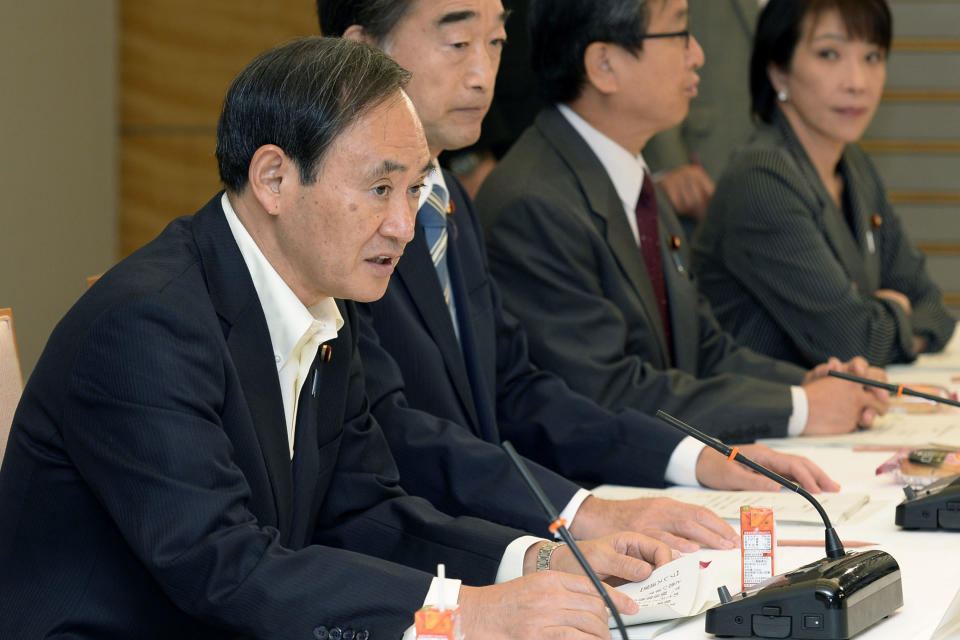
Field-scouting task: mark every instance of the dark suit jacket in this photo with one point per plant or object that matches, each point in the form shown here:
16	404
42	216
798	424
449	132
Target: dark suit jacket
446	407
793	275
147	490
562	251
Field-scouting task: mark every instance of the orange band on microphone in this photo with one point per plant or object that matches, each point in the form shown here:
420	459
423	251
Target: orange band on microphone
733	453
900	391
556	524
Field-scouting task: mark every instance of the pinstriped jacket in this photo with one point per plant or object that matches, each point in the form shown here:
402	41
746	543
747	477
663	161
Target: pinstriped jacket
792	275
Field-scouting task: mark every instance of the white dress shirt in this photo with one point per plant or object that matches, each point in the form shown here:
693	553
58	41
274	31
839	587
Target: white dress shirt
288	320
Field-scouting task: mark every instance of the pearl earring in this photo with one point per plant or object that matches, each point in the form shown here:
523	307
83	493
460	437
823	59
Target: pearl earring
782	95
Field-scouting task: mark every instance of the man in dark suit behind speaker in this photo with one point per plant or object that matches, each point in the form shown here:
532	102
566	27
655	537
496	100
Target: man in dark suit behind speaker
448	372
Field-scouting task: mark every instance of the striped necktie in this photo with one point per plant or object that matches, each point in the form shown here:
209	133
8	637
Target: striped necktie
433	218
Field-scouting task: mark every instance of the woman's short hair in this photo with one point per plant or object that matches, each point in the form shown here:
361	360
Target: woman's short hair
779	29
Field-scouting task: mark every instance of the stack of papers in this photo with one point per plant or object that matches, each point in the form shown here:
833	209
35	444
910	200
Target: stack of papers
787	506
676	590
892	430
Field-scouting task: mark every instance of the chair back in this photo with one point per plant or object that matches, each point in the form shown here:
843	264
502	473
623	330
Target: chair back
11	380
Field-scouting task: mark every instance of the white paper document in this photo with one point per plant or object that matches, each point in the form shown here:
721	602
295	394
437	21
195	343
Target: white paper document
787	506
678	589
949	626
891	430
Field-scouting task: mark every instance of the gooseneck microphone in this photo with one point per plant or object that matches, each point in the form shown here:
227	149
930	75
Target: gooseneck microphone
932	507
835	597
560	528
832	541
899	389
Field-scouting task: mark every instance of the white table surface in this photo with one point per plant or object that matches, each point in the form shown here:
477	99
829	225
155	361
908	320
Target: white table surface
928	560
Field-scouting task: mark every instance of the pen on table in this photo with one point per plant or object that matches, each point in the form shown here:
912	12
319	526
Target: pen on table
899	389
819	543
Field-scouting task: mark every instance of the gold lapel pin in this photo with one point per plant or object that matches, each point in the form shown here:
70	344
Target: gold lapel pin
326	353
876	221
675	242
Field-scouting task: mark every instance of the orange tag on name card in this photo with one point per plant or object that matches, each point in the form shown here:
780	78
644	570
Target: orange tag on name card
756	545
437	624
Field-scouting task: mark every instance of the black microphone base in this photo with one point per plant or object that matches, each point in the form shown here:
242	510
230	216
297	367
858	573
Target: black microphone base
936	506
829	598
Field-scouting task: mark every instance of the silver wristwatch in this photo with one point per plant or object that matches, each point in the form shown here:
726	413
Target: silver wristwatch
545	553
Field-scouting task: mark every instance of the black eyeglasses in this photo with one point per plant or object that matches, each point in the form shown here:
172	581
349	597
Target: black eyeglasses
685	34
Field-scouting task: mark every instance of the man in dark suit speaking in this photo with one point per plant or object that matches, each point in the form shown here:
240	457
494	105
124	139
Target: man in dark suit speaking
193	457
591	258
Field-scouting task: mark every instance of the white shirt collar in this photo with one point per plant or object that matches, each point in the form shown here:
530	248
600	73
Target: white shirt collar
288	320
434	177
624	169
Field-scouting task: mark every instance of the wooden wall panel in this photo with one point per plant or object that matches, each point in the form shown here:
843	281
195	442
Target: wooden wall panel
164	176
915	140
177	59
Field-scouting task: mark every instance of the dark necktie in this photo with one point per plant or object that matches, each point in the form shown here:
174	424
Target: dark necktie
650	249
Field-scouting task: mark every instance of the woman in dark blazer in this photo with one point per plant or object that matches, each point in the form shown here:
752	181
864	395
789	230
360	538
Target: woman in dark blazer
801	254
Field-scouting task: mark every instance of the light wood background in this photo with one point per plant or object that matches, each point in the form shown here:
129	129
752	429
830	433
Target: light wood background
177	59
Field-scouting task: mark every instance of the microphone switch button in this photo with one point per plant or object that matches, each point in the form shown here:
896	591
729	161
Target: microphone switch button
812	622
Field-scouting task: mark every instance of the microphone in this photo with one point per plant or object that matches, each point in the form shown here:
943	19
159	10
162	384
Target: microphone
899	389
832	541
932	507
835	597
560	527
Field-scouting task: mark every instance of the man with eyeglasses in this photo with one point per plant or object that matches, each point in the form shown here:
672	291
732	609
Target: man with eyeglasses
592	259
687	159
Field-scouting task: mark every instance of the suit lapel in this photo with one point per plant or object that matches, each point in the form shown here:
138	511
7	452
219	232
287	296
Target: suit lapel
467	345
320	416
248	339
836	230
418	275
605	204
680	292
867	256
305	461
